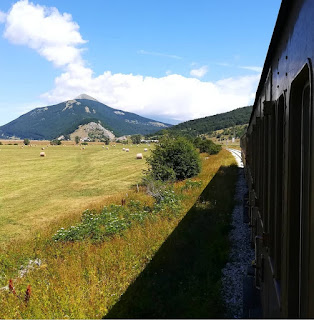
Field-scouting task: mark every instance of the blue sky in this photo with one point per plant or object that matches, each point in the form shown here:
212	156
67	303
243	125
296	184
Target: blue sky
171	60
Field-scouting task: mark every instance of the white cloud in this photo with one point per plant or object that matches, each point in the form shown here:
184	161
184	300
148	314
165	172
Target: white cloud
200	72
53	35
56	37
252	68
3	17
172	56
172	96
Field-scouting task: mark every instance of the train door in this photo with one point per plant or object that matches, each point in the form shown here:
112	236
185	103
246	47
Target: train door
298	200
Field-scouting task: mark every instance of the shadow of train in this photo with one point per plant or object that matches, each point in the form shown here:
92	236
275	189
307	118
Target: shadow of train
183	278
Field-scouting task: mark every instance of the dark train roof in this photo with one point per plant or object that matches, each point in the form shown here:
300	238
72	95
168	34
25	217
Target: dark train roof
284	11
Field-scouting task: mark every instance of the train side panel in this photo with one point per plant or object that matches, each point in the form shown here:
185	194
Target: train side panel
278	151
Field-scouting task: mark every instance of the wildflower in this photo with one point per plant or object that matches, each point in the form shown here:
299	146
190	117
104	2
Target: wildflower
11	288
27	293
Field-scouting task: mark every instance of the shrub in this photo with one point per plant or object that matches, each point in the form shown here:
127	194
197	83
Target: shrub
26	142
114	219
136	139
77	139
207	146
1	143
84	143
55	142
106	141
174	159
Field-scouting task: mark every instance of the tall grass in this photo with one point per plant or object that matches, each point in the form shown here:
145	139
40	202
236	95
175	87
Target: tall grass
84	279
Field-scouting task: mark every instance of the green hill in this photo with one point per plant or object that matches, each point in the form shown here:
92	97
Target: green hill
64	118
208	125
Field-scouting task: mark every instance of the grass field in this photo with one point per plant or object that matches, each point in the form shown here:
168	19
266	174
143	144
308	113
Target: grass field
36	191
179	257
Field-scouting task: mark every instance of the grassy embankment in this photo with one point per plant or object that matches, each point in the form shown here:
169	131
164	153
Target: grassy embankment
86	279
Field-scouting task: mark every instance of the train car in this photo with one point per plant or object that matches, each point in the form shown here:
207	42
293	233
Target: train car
278	150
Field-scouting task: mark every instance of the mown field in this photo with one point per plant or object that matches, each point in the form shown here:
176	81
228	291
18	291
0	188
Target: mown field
165	265
36	191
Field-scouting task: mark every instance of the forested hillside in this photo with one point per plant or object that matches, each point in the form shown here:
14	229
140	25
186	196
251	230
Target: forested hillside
209	124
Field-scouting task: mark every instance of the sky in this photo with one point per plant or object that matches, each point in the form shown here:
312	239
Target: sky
169	60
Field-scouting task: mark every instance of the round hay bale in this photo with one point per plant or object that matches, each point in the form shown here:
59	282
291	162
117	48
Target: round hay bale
123	149
127	150
42	154
42	148
145	149
139	156
107	148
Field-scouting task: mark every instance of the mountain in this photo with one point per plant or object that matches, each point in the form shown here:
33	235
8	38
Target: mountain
64	118
209	124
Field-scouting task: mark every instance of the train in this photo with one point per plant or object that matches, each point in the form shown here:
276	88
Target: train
277	152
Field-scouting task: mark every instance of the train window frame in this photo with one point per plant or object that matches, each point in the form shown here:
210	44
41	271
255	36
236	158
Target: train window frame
279	187
296	260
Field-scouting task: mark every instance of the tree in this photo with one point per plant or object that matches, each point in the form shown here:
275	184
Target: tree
136	138
55	142
77	139
106	140
26	141
207	146
174	159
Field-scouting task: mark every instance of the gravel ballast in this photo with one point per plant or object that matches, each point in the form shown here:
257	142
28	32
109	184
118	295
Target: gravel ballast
241	254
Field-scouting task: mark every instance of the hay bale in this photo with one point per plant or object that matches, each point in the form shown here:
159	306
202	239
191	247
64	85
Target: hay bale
107	148
145	149
139	156
42	148
127	150
123	149
42	154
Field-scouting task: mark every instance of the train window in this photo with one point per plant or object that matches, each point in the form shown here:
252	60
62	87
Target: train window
298	194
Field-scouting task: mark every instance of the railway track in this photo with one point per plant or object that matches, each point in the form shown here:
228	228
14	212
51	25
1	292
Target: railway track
237	154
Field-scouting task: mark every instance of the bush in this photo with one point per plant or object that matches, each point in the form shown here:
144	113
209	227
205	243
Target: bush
207	146
55	142
174	159
26	142
136	139
114	219
106	141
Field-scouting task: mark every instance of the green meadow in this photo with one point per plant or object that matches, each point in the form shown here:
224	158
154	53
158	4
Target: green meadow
37	191
172	255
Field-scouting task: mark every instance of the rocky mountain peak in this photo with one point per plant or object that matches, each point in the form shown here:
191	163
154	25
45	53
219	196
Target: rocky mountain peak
86	97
